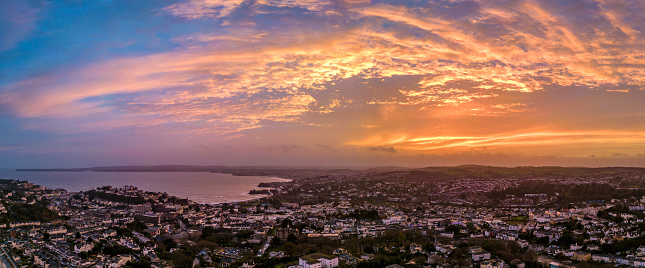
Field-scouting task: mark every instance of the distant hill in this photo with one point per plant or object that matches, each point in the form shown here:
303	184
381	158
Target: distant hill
159	168
426	174
388	169
293	173
477	171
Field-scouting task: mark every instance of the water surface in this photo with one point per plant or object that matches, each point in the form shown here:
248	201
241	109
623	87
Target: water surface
202	187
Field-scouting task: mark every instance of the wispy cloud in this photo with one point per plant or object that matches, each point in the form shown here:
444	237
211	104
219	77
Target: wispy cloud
382	149
347	64
541	142
195	9
17	21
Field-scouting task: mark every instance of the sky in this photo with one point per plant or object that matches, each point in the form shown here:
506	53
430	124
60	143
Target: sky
322	83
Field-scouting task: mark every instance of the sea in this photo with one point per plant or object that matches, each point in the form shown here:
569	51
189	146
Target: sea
201	187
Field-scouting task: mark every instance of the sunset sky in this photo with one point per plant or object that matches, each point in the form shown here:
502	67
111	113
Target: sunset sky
322	83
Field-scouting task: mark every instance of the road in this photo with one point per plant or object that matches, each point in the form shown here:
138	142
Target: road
266	246
7	259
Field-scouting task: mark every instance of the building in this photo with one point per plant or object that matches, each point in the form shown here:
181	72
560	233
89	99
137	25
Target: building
348	259
581	256
318	260
478	254
82	247
416	248
518	263
148	218
492	264
283	233
601	258
142	208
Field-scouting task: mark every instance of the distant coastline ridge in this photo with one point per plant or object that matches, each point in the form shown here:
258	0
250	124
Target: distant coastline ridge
273	172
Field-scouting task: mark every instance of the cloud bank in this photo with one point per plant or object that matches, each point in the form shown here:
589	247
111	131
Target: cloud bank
432	76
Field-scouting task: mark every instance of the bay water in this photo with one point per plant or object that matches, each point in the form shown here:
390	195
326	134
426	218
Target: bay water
201	187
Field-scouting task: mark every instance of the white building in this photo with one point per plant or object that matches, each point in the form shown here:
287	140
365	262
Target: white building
478	254
82	247
318	260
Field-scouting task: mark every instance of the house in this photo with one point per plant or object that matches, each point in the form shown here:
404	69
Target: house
340	251
447	234
149	218
536	247
348	259
517	263
592	247
581	256
624	261
575	246
478	254
492	264
83	247
601	258
639	263
109	233
416	248
446	249
367	257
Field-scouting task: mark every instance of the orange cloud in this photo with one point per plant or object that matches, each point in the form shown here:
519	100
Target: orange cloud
241	75
540	142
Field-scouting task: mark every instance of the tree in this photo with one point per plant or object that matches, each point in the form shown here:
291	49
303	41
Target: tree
207	231
123	232
566	239
138	264
292	238
181	259
169	243
290	249
493	245
137	226
286	223
543	241
514	247
46	236
401	236
452	228
244	234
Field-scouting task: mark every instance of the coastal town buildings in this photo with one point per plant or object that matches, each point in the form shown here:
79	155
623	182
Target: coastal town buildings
116	227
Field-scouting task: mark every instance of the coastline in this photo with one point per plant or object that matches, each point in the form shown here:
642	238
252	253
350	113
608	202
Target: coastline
259	196
198	187
253	198
278	178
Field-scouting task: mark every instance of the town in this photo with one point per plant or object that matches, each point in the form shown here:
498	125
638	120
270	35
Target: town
369	219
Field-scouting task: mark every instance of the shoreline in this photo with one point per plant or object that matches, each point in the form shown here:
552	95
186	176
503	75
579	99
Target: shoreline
259	197
240	201
278	178
209	197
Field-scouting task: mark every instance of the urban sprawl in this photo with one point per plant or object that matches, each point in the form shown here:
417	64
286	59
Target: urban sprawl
378	219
